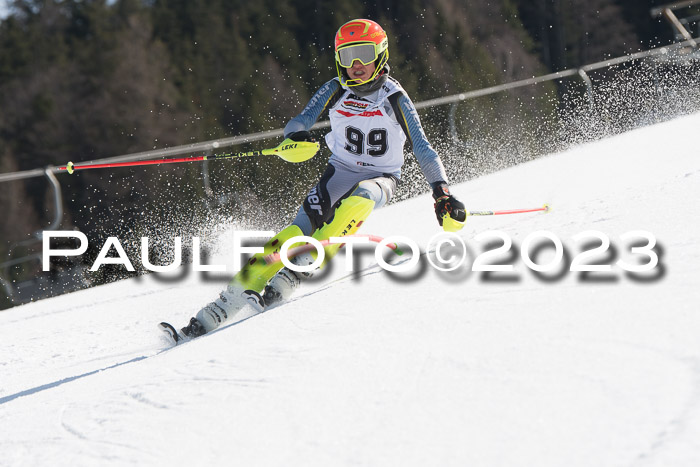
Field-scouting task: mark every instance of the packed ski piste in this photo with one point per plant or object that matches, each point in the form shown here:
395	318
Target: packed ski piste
371	119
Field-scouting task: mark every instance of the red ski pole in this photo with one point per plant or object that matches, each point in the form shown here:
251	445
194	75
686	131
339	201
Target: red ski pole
292	252
290	151
544	208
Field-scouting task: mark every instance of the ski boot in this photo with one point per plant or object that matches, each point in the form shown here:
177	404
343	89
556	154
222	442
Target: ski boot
230	301
282	285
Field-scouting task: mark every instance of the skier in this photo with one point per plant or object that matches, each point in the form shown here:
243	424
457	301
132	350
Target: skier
371	117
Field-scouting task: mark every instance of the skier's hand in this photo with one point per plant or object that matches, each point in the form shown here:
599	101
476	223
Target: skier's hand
301	136
450	212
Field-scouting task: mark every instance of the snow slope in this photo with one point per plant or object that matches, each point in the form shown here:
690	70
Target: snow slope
421	368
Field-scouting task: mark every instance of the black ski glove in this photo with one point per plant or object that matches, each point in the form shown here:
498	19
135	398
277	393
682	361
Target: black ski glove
301	136
446	204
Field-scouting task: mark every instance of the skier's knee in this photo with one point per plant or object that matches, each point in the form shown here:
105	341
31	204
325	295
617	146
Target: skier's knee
378	190
366	189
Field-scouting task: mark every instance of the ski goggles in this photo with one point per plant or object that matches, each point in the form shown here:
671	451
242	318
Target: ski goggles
365	53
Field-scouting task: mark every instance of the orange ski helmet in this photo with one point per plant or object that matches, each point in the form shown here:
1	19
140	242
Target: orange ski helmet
363	40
